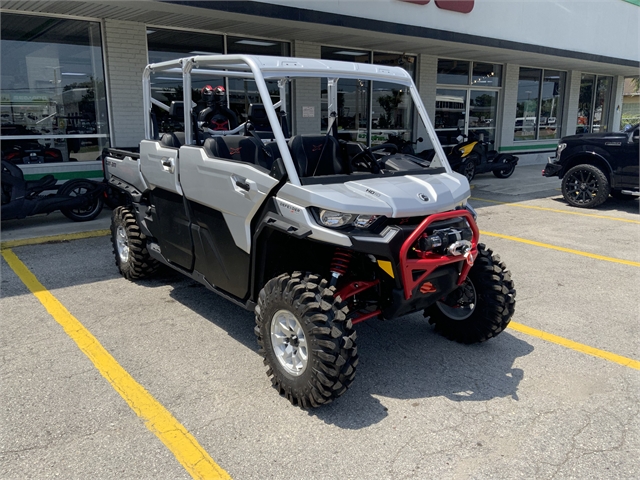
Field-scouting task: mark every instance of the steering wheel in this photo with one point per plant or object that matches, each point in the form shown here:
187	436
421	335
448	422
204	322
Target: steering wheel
368	160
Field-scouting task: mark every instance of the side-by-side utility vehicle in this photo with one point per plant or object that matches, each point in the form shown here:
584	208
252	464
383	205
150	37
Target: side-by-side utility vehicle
315	232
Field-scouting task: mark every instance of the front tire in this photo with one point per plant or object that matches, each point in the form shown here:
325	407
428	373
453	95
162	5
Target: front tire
481	307
87	212
130	246
306	341
585	186
468	169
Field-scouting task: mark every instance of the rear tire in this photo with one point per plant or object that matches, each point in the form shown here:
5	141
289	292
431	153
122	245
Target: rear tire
130	246
481	307
585	186
507	171
306	341
468	169
93	207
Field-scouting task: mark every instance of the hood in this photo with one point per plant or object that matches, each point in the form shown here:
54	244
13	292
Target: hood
593	136
401	196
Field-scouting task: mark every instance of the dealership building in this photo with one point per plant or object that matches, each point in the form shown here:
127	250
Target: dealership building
519	73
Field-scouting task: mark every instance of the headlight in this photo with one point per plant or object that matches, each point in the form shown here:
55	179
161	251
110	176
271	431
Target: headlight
329	218
332	219
365	221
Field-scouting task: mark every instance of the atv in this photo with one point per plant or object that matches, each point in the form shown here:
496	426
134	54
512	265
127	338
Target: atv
314	232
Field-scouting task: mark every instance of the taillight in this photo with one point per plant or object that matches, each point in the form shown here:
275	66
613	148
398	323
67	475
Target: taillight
52	153
12	155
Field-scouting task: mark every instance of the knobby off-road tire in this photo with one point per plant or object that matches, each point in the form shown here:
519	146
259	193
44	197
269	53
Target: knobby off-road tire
130	246
481	307
585	186
91	210
305	339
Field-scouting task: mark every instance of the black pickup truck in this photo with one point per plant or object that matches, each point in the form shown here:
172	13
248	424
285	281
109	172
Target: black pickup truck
594	165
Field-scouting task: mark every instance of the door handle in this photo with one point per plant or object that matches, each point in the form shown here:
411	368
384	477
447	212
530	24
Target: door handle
243	185
167	164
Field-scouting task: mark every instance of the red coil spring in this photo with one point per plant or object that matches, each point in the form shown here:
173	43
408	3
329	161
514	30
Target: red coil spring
340	262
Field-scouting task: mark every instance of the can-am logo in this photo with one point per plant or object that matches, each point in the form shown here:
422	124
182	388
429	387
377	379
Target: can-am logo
462	6
423	197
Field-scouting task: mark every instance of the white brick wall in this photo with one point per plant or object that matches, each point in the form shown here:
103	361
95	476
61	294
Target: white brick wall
427	76
126	57
509	104
306	93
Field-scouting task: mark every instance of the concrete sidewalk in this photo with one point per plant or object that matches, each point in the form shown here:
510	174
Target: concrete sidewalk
53	225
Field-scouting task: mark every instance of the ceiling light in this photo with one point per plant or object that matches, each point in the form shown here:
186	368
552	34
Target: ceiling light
200	52
149	32
350	53
257	43
74	74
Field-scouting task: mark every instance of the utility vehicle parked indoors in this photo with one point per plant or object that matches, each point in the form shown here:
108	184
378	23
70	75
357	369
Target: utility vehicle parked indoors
314	232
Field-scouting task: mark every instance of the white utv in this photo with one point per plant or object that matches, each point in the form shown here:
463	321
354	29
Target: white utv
315	233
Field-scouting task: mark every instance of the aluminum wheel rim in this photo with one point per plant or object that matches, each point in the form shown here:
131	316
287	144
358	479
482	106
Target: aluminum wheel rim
464	307
289	342
122	244
582	186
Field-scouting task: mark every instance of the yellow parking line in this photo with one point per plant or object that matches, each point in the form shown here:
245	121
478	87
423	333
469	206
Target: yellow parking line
557	210
579	347
562	249
158	419
53	238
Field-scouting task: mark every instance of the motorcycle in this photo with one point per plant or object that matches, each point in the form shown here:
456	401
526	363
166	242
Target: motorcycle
79	200
472	156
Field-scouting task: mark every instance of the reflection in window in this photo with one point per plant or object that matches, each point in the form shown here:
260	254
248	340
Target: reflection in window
170	44
539	104
53	97
453	72
367	109
486	75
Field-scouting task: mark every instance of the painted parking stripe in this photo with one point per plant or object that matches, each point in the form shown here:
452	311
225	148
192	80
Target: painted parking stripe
53	238
532	207
158	419
579	347
561	249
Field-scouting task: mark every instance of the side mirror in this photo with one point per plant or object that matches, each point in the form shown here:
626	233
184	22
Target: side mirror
278	170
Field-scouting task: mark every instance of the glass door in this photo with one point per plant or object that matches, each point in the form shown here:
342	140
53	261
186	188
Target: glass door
467	112
451	115
483	106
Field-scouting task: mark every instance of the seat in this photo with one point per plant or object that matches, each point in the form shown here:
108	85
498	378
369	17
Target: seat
315	155
173	140
238	148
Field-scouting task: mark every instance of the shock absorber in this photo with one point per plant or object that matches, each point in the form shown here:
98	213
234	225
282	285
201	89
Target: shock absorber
339	264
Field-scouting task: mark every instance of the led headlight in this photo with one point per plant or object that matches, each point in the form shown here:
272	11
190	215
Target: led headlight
365	221
561	147
329	218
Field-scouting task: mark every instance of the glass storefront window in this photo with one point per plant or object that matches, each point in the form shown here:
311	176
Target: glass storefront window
53	100
483	107
453	72
539	105
368	109
550	123
527	104
585	103
486	75
170	44
601	105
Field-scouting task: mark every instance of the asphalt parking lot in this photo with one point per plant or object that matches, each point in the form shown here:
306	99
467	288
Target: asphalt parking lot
555	396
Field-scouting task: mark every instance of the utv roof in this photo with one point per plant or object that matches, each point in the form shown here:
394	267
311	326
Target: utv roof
246	66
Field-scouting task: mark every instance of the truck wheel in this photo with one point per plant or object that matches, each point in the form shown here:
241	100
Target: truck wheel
507	171
130	246
481	307
90	211
307	342
585	186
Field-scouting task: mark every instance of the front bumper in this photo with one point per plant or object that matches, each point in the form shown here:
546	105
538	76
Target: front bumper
551	169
